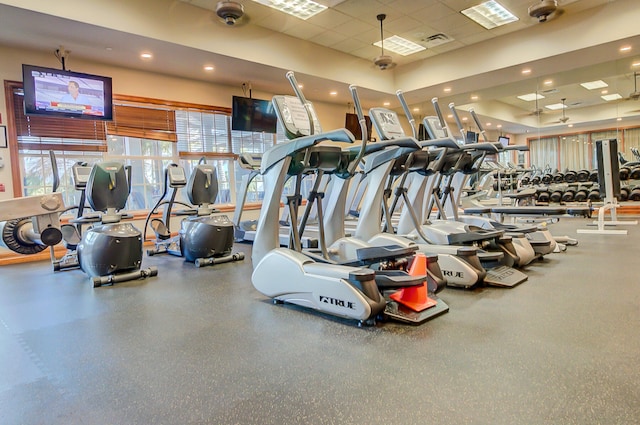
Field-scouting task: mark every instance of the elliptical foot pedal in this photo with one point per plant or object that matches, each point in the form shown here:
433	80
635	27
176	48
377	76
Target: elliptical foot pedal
401	313
504	277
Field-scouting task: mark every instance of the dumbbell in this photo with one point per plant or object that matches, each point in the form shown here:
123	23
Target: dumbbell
543	196
557	177
593	176
624	173
635	173
525	180
570	177
546	179
556	195
581	195
535	180
635	194
594	194
624	194
568	195
583	176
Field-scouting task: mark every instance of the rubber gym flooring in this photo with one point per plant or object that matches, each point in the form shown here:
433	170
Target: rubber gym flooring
201	346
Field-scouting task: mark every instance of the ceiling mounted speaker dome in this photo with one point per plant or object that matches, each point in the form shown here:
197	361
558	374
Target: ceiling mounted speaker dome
229	11
543	9
383	62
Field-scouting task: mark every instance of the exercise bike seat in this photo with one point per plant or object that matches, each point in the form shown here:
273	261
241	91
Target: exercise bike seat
160	229
70	235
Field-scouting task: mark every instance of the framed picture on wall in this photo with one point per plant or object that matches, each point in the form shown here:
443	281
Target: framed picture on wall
3	136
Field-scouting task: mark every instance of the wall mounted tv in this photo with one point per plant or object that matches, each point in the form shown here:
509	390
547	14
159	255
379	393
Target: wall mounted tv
248	114
54	92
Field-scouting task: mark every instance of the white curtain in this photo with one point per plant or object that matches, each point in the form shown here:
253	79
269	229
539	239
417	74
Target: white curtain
574	152
544	152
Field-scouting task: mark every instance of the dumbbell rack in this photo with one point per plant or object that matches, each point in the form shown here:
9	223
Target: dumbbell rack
606	149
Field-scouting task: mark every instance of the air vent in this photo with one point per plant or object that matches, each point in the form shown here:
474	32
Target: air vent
548	92
435	40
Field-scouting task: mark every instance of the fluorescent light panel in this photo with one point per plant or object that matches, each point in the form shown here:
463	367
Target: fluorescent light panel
530	97
610	97
555	106
303	9
592	85
490	14
400	45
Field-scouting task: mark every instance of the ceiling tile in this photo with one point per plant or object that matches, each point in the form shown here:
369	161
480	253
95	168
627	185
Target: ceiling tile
330	18
304	31
327	38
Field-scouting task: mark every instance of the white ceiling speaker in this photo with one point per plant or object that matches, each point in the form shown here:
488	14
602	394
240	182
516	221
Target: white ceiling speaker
543	9
229	11
383	61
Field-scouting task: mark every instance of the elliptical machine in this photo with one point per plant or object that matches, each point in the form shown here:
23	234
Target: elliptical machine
204	238
288	275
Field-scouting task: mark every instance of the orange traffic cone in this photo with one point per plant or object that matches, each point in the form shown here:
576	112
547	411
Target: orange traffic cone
415	297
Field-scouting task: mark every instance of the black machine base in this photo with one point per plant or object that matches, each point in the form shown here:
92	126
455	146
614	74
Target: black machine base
124	277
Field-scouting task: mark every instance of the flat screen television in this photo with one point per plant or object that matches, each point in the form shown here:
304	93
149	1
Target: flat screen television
54	92
504	140
352	124
248	114
471	137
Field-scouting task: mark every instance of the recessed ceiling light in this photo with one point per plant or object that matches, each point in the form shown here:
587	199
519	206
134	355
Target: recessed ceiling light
447	89
416	109
450	116
490	14
300	86
619	119
488	124
146	55
465	119
400	45
556	106
108	49
526	71
569	125
625	49
635	64
529	97
303	9
474	97
605	91
386	103
548	82
592	85
208	68
333	93
610	97
499	126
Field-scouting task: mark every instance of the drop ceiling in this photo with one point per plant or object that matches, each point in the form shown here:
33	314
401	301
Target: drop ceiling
335	48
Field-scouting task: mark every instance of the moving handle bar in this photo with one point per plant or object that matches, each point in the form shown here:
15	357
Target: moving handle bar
477	120
294	83
407	112
456	118
363	128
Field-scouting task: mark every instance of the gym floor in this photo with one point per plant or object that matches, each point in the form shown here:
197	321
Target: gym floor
202	346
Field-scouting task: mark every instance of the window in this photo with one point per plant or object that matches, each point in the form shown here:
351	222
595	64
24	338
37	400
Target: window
146	134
